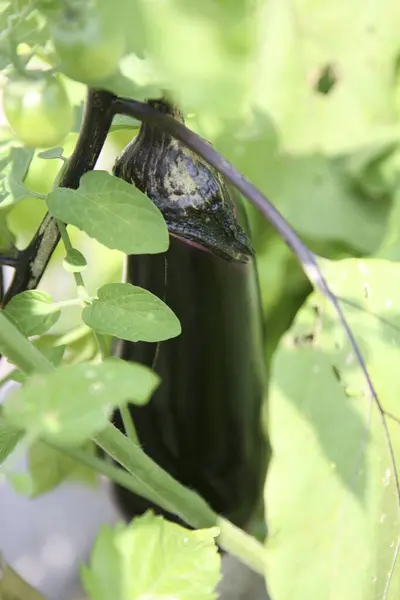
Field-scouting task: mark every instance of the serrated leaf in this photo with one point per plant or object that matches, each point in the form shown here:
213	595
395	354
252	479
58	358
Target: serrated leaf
33	312
113	212
47	469
179	563
72	403
74	262
332	483
9	438
131	313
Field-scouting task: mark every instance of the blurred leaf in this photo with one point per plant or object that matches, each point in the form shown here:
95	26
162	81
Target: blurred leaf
7	239
14	165
131	313
9	438
311	191
360	45
19	24
134	79
33	312
124	122
332	484
80	344
113	212
57	152
153	558
204	55
48	468
54	354
72	403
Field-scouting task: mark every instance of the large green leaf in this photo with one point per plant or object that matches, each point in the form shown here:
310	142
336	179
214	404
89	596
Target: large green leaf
72	403
131	313
359	41
205	53
113	212
153	559
332	492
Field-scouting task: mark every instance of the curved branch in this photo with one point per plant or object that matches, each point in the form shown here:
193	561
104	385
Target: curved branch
33	261
307	259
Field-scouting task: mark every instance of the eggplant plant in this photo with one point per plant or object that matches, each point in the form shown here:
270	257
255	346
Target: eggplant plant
154	375
203	424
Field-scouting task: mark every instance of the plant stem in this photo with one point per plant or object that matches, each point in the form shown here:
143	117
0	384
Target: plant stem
232	538
239	543
15	346
148	479
81	287
128	424
156	484
33	261
80	284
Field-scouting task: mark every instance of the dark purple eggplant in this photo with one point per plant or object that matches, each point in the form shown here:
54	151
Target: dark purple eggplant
203	425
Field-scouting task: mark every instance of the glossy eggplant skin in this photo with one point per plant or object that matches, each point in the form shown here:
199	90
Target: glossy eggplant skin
203	424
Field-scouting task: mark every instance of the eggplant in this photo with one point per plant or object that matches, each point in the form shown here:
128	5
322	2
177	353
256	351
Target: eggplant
203	424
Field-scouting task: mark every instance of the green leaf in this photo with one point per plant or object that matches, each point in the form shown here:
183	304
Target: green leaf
7	239
313	192
316	36
33	312
124	122
134	79
14	166
205	53
57	152
155	559
74	262
19	24
113	212
47	469
9	438
53	353
332	480
131	313
72	403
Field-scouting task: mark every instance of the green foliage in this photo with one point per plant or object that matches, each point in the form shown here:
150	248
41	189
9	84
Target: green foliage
72	403
180	564
303	98
47	468
9	438
14	165
113	212
33	312
112	314
333	481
